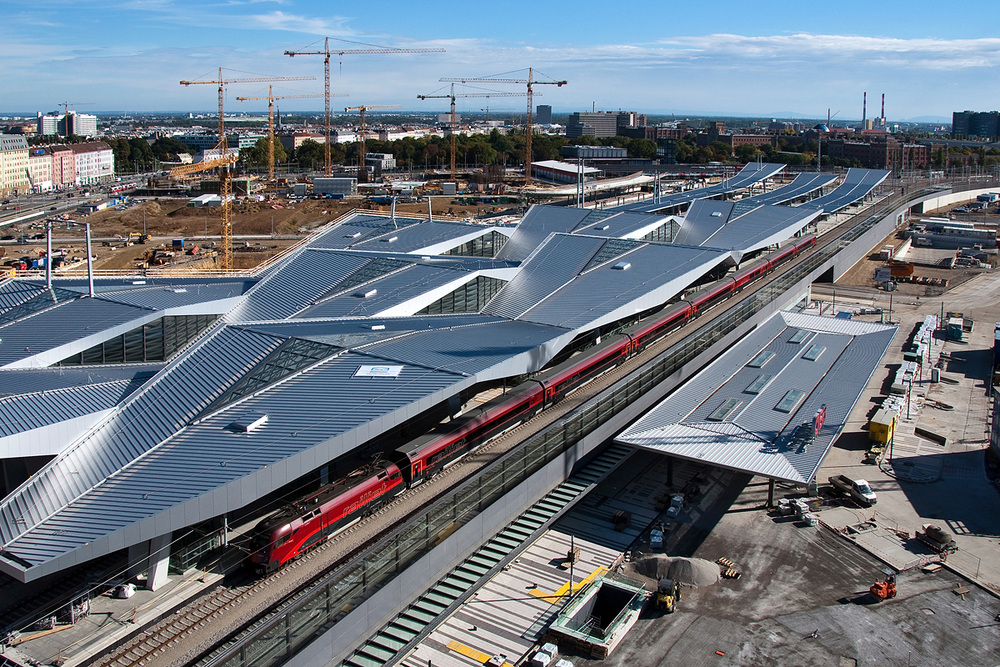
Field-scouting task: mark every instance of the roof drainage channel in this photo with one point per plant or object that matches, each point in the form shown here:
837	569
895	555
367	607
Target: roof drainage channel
420	617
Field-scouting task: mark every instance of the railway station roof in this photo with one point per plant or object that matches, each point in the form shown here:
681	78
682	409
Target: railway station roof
801	186
752	173
857	184
159	453
753	408
741	226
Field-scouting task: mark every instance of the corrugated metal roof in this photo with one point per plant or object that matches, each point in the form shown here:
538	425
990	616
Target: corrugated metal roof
602	294
33	410
727	225
15	292
163	297
535	227
392	290
621	224
857	183
555	264
357	228
801	186
63	324
23	381
757	437
313	418
750	174
162	406
417	237
307	276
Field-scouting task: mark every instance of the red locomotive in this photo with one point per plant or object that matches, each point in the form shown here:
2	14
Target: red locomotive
306	523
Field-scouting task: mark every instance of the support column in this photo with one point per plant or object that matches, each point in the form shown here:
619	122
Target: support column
770	492
159	559
138	558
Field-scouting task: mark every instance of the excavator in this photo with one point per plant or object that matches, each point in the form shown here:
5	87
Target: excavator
886	588
668	593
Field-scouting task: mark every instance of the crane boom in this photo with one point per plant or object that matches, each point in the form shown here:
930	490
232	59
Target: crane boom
453	119
225	184
529	131
326	53
271	97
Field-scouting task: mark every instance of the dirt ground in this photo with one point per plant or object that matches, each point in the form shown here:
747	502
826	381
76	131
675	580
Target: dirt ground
279	225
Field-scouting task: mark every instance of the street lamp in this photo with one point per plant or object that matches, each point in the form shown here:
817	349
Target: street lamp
821	128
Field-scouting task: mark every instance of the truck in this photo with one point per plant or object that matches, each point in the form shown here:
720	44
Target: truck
857	489
938	539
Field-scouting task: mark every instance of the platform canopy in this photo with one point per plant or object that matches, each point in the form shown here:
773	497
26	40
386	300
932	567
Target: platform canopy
773	404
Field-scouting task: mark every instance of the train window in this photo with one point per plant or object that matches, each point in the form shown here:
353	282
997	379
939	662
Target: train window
281	540
395	476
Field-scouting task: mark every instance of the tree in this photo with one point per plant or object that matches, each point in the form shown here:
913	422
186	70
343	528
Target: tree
257	155
746	153
309	154
167	149
139	151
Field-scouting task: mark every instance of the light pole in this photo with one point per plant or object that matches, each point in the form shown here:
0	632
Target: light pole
821	128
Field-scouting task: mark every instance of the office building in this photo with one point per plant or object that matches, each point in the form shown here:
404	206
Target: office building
985	124
543	114
598	124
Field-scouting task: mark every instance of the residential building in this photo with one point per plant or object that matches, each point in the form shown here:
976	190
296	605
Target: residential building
49	123
13	164
79	124
40	168
94	162
63	167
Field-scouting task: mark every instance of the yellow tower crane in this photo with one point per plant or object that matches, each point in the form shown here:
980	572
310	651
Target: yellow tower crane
271	97
454	119
326	53
361	133
530	81
225	185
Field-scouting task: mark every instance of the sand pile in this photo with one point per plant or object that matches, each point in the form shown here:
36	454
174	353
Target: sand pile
688	571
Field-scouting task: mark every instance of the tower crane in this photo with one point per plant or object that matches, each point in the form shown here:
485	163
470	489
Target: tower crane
530	82
453	118
326	53
66	105
361	134
225	185
271	97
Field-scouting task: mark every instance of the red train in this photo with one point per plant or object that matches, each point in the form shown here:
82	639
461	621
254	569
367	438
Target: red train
305	524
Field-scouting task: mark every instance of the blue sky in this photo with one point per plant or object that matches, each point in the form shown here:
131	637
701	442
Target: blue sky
776	58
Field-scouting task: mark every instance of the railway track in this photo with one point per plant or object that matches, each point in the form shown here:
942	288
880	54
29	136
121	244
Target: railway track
218	614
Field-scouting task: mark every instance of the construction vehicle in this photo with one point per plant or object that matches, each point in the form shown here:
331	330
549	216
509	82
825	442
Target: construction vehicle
886	588
937	539
668	594
857	489
136	237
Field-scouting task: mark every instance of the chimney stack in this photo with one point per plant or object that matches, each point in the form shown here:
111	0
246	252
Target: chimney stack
883	107
864	109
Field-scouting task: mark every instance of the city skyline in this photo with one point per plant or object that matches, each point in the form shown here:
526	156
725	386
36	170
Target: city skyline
785	60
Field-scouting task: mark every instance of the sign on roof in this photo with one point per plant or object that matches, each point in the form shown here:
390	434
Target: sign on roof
378	371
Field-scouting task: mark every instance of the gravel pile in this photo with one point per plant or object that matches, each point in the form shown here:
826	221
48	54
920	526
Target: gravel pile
688	571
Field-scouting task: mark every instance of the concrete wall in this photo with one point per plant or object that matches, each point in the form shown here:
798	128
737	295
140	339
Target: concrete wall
935	203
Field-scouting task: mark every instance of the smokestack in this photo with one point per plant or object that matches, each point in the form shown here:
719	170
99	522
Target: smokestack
883	107
864	109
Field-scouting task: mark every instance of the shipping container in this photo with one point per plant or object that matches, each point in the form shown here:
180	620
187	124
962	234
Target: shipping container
882	426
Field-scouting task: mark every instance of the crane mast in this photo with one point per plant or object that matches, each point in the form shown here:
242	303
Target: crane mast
225	182
326	53
529	131
453	118
270	121
361	133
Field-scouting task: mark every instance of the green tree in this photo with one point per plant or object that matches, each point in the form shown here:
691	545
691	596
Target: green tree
310	154
167	149
746	153
257	155
140	151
